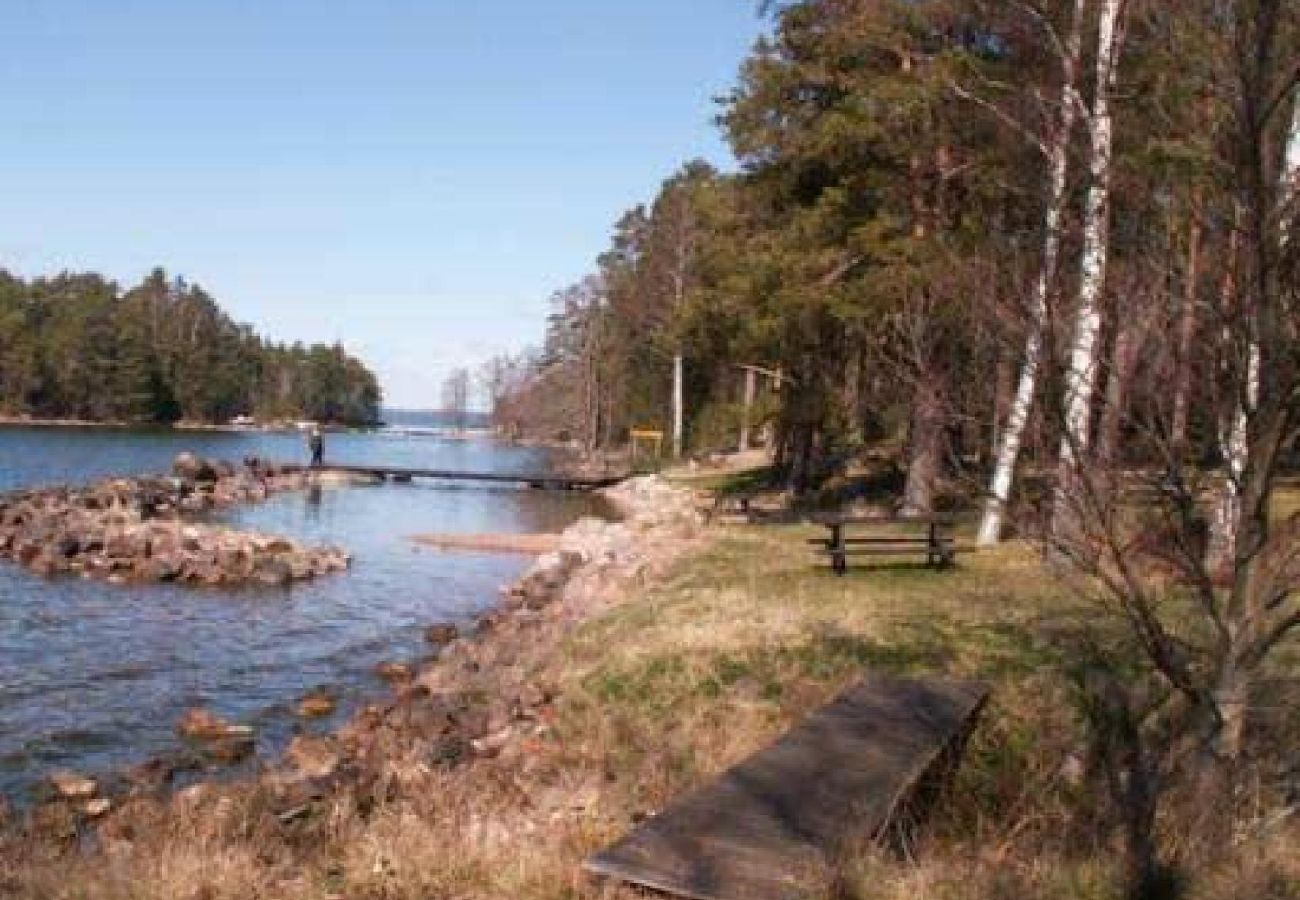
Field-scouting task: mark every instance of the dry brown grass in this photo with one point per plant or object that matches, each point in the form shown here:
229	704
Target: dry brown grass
690	675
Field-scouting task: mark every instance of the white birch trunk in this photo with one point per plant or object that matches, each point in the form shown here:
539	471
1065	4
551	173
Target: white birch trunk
1236	445
1081	371
1009	439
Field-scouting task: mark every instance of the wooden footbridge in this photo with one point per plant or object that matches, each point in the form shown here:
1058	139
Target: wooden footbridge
781	824
547	482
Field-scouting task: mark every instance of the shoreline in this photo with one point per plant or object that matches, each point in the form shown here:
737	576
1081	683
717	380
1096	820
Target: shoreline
578	573
182	427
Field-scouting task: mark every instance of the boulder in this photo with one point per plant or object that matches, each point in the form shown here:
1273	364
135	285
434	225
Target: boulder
97	808
193	468
201	724
315	757
231	749
132	529
70	785
394	672
316	704
441	635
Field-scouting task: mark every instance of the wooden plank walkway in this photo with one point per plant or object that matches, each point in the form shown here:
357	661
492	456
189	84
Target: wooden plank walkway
549	482
773	827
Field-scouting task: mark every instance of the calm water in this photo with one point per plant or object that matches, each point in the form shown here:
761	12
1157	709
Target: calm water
94	676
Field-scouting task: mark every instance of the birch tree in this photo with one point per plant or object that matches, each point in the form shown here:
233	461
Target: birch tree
1056	148
1235	442
1081	371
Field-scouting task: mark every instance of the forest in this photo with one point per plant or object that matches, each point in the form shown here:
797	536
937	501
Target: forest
951	217
75	346
1034	260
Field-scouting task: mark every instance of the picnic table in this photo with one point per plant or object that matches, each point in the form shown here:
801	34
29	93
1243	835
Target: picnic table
933	536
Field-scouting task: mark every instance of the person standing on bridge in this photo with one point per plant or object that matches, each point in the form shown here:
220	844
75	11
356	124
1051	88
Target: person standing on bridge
316	443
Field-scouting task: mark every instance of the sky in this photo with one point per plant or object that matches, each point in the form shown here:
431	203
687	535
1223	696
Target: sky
411	177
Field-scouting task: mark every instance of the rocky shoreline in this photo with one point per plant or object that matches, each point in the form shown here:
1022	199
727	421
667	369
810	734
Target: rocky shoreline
144	529
484	697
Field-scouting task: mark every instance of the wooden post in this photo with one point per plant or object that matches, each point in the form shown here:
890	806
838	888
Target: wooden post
839	556
751	387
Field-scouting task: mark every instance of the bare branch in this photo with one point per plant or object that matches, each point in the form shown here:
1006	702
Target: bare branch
1002	117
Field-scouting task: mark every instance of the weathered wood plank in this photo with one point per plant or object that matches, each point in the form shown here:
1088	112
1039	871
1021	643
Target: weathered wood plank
773	827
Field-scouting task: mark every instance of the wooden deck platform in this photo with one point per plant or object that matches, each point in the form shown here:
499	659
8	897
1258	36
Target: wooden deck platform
861	769
549	482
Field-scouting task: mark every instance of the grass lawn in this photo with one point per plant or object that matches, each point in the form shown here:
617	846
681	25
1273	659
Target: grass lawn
753	634
742	641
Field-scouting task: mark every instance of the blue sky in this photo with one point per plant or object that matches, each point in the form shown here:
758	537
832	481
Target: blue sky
413	177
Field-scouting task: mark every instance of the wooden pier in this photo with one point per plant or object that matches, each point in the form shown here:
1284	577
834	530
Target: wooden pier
546	482
778	826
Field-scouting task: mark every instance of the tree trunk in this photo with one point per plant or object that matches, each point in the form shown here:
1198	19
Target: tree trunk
1186	331
1081	371
678	411
1002	384
1236	443
1007	446
1124	358
926	436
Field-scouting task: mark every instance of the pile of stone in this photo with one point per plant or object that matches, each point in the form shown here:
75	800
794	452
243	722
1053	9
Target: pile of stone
142	529
593	552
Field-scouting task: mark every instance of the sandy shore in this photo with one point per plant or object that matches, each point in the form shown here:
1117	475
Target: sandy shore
520	544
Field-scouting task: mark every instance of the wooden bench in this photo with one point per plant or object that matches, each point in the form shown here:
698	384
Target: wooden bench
935	540
779	825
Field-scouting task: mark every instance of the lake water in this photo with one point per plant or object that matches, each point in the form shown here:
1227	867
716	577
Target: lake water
94	676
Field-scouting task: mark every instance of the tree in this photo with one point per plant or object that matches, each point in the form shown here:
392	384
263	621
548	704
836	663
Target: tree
1056	147
76	346
455	397
1081	366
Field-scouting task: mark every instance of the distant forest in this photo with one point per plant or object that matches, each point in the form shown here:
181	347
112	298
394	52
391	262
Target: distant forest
75	346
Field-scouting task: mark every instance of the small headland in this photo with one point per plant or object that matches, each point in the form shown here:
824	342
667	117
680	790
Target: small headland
151	529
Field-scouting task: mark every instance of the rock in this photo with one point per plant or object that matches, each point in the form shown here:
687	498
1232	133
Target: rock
394	672
316	704
200	724
131	530
192	796
273	573
491	745
441	635
230	749
70	785
188	465
97	809
315	757
154	775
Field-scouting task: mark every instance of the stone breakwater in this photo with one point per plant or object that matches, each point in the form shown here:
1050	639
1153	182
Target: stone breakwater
144	529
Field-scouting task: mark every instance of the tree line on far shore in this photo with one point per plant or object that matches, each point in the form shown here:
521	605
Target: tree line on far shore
75	346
